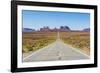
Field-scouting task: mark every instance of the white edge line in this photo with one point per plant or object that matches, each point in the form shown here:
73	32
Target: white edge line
38	50
53	43
76	50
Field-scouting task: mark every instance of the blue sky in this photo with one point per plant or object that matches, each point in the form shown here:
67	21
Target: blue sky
37	19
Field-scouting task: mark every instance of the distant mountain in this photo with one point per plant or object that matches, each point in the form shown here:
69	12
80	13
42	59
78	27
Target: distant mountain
86	29
28	30
64	28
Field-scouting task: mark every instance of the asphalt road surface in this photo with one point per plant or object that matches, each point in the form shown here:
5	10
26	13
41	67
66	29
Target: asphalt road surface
55	51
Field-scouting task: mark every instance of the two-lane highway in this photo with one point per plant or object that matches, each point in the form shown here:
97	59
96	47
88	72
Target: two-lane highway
55	51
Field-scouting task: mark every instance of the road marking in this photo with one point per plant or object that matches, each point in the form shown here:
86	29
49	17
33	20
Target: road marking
39	50
54	46
76	50
42	48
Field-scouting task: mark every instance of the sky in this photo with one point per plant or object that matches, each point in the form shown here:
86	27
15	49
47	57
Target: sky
38	19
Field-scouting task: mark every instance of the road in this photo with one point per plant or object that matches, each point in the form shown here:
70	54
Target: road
56	51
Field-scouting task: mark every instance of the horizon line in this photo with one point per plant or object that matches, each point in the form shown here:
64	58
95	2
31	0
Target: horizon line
54	28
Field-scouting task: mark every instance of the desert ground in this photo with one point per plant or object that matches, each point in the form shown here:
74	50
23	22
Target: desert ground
38	46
